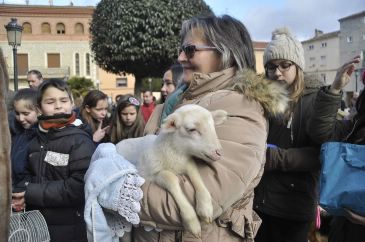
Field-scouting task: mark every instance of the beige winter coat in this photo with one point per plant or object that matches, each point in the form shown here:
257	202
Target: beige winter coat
232	179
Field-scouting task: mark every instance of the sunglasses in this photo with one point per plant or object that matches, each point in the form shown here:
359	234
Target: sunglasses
282	66
189	50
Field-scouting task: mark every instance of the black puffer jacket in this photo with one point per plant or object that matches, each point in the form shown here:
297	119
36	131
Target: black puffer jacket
57	163
325	128
288	188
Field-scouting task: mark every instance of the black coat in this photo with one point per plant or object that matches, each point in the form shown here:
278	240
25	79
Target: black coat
325	128
57	163
288	188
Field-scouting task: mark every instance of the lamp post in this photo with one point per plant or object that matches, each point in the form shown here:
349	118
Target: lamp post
356	76
14	32
150	83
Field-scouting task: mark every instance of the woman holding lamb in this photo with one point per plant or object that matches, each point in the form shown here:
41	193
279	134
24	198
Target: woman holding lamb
219	73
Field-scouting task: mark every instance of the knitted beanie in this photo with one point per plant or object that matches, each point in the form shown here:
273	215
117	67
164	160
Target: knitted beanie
284	46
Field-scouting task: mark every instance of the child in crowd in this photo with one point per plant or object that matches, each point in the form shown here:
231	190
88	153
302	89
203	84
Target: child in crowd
24	130
57	161
94	110
127	121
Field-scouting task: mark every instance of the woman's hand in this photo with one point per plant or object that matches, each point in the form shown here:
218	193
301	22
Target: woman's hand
99	134
354	218
18	201
343	75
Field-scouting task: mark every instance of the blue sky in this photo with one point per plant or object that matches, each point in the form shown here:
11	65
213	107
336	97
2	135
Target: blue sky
261	17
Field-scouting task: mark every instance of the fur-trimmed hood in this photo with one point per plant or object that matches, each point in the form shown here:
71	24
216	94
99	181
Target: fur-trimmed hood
271	95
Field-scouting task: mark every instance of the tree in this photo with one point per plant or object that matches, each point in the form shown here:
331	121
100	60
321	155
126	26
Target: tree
140	37
80	86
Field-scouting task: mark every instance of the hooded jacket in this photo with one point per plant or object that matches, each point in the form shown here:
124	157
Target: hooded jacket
248	99
57	162
288	188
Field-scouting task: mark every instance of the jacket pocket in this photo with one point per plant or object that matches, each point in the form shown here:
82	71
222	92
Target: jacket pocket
241	222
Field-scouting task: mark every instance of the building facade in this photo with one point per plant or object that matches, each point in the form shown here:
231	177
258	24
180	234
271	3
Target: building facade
321	55
352	43
259	48
56	41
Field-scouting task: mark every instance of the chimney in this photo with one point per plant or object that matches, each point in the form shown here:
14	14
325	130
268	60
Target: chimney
317	32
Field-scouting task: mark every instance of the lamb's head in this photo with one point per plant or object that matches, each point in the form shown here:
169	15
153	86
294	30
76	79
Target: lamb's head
192	130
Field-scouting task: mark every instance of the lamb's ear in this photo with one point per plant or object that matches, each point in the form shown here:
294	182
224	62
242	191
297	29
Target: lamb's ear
170	124
219	116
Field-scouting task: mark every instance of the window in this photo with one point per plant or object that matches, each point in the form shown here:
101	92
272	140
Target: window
323	58
53	60
311	47
363	36
27	28
312	58
46	28
77	64
79	28
87	64
60	27
122	82
22	62
349	39
324	44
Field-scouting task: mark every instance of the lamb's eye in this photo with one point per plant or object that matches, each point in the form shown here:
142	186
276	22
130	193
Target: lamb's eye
191	130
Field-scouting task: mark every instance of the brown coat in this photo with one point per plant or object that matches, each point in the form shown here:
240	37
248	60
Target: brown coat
230	180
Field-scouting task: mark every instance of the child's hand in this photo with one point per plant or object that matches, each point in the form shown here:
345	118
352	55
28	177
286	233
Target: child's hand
99	134
18	201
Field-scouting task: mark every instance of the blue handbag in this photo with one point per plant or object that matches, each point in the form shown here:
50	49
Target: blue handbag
342	181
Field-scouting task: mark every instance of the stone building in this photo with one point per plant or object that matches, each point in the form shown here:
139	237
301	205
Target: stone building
322	55
56	41
352	43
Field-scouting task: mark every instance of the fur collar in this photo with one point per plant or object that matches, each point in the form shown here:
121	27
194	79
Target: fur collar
271	95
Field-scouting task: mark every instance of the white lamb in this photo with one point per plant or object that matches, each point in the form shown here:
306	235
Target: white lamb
186	133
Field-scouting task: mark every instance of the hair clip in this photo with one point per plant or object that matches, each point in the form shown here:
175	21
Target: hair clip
133	101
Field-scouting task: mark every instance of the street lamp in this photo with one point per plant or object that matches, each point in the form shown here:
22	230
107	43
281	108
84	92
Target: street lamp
14	32
356	76
150	83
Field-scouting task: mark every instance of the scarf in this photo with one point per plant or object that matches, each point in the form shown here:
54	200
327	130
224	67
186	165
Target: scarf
56	121
171	101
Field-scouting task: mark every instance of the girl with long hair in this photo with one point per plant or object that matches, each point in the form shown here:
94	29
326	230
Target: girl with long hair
94	111
127	121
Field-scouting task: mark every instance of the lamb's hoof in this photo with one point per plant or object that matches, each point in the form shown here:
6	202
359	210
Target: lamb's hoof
193	226
205	212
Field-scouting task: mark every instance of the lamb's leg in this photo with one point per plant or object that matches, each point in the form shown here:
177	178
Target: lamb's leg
204	207
170	182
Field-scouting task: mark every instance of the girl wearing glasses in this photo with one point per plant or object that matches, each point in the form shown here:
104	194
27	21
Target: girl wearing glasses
286	197
127	121
218	73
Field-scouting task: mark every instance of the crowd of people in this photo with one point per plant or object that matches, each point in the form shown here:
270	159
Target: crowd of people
264	188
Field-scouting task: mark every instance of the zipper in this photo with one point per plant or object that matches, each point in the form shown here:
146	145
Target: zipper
40	165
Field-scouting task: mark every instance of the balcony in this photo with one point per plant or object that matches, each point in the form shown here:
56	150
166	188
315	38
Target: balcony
60	72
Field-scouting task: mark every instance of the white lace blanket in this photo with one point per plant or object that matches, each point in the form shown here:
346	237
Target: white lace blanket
112	195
